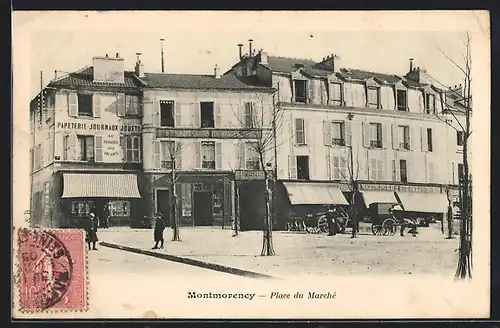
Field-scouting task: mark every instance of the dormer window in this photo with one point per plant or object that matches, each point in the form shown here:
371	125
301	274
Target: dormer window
300	89
373	97
336	94
402	100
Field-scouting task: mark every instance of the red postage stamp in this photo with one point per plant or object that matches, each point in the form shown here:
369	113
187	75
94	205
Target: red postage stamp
52	270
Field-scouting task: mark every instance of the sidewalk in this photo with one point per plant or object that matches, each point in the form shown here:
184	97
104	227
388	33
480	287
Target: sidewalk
304	254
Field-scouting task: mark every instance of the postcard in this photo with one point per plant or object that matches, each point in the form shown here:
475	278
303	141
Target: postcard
272	165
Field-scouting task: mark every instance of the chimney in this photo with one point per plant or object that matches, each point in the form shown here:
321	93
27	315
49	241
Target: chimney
139	67
55	75
106	55
108	69
263	57
117	55
217	72
240	50
161	55
411	64
331	62
250	47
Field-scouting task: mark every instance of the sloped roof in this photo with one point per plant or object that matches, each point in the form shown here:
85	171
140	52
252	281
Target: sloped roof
201	82
85	77
357	74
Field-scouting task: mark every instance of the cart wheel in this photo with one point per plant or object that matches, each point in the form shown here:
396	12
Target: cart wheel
389	227
377	229
323	224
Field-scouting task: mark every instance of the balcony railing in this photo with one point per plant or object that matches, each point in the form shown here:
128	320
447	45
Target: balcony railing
404	145
193	133
338	142
375	143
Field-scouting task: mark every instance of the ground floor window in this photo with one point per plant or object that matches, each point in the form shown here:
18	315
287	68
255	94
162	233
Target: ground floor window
119	207
81	207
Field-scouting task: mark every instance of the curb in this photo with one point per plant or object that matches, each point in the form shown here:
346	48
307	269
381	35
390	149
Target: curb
188	261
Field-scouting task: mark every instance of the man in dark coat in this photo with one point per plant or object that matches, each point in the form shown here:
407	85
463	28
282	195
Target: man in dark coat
160	226
332	226
91	229
105	217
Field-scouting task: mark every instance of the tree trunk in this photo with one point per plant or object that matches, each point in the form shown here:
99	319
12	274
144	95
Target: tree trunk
267	240
237	214
175	216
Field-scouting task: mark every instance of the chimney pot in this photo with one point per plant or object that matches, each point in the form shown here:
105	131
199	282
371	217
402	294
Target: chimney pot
217	72
240	51
55	74
106	55
117	55
250	47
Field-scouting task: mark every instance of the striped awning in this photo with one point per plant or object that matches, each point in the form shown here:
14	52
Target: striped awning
87	185
423	202
383	197
306	193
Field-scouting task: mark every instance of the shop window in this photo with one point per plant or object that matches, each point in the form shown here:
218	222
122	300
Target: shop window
207	114
375	135
185	198
81	207
401	96
373	97
167	113
208	155
85	104
119	208
300	91
303	167
86	147
218	199
252	158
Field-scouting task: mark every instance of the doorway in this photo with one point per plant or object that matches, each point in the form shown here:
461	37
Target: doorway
163	204
203	211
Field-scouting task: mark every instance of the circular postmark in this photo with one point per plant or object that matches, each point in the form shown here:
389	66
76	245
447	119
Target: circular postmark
46	269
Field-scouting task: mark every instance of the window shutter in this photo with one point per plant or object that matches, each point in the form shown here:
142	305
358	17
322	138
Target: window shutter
386	136
380	170
177	109
408	171
373	169
129	148
395	137
134	103
348	95
123	145
292	167
98	148
348	133
178	155
96	104
156	155
329	172
395	170
73	104
120	102
196	114
425	144
410	139
241	154
327	133
306	131
217	120
218	155
197	149
344	175
366	134
71	150
156	113
336	168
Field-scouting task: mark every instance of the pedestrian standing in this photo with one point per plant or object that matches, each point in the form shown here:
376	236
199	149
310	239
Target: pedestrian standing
160	226
91	229
330	217
105	217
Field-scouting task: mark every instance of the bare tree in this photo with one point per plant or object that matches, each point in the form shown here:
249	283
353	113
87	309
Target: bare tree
261	124
171	155
459	105
350	176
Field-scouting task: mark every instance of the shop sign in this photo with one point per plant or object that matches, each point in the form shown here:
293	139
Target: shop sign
111	149
92	127
249	175
209	133
387	187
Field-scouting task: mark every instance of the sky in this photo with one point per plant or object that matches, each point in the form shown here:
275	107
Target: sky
196	41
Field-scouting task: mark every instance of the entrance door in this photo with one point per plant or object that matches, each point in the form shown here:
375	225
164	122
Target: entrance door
163	204
203	211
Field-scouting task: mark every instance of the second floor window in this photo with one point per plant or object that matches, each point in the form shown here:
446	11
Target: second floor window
403	172
373	97
300	131
249	115
402	100
460	173
85	104
300	91
86	148
338	133
208	155
303	167
404	137
375	135
167	114
207	114
429	139
133	149
131	105
460	138
252	159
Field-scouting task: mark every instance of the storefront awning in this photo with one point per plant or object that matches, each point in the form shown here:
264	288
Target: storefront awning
87	185
421	202
304	193
385	197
